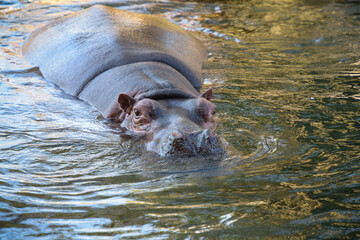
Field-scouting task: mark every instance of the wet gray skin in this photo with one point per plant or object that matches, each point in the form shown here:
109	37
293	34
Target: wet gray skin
139	70
174	126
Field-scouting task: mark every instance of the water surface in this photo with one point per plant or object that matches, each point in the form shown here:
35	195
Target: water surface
286	81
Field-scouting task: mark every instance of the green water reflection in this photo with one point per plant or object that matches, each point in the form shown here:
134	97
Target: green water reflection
286	80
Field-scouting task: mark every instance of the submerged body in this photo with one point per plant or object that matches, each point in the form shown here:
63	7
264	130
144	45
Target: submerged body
137	69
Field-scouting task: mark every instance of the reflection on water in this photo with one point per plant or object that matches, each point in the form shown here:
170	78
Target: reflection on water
286	81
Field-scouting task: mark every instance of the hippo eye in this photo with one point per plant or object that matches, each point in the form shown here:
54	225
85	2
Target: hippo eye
213	112
137	113
152	115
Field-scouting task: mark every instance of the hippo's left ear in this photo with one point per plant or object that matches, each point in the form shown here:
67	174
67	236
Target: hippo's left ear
207	94
126	102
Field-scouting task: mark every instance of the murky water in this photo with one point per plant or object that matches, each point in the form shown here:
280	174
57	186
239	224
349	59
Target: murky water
286	81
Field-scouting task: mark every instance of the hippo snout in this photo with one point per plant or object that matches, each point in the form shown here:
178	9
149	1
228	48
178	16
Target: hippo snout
199	142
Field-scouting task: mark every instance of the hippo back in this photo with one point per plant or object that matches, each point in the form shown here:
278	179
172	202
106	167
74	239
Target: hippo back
74	50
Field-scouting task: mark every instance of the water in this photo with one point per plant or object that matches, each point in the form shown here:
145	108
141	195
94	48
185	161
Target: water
286	81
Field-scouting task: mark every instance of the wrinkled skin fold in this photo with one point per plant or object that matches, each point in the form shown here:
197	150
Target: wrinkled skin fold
139	70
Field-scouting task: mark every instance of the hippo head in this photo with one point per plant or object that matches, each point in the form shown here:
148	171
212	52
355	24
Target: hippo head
173	126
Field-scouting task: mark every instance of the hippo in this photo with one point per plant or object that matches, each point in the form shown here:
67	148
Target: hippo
140	71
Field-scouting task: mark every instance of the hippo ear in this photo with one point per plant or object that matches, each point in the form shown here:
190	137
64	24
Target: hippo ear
126	102
207	94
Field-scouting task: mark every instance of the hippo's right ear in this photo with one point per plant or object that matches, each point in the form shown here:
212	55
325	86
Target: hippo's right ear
126	102
207	94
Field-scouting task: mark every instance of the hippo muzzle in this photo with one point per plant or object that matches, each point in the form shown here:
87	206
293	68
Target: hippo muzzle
201	142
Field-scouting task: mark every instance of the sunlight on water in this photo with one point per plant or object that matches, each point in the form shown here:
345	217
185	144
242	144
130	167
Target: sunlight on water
285	76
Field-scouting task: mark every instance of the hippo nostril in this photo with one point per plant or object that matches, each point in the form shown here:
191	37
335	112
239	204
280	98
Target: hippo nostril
206	132
209	133
202	134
